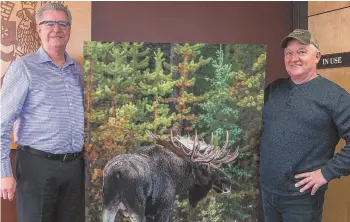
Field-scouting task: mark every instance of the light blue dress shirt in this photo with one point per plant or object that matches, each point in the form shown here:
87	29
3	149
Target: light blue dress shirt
45	103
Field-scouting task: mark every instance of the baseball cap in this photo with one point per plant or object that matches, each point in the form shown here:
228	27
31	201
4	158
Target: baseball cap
301	35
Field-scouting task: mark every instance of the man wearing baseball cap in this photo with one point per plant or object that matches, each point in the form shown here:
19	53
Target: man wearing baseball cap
304	118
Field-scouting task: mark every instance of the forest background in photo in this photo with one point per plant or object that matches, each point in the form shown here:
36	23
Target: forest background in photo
134	87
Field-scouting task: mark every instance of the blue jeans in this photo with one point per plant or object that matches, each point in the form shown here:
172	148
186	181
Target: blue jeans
304	208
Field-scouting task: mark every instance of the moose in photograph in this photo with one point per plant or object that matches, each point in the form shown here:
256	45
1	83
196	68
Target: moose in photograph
144	185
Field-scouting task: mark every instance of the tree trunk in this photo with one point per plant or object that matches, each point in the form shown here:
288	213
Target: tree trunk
114	100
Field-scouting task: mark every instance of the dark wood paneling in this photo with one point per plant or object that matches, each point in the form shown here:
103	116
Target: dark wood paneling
208	22
8	208
300	17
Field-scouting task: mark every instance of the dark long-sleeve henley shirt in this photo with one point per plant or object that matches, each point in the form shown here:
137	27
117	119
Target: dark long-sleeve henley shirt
302	123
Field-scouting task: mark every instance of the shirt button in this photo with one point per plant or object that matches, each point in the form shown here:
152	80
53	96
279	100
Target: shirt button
70	104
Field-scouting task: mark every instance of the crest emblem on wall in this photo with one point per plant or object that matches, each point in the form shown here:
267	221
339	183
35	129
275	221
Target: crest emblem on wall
18	30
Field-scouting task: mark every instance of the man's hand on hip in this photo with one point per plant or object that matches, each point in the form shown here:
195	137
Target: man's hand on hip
7	188
312	180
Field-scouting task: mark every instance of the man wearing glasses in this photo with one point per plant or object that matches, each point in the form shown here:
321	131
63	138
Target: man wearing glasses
42	95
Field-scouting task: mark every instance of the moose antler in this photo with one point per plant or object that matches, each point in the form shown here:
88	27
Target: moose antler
195	150
165	143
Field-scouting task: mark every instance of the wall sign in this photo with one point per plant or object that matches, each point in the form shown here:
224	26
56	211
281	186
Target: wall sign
334	60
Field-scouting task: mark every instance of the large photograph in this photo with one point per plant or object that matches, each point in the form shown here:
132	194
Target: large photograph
172	131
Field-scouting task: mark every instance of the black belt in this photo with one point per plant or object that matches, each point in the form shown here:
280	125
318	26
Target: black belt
59	157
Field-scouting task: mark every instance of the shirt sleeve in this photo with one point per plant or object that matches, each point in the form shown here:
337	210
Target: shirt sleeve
12	96
339	165
267	93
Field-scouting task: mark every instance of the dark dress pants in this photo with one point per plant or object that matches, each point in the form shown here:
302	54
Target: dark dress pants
304	208
48	190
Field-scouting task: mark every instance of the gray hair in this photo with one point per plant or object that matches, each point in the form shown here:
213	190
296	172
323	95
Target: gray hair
316	50
52	6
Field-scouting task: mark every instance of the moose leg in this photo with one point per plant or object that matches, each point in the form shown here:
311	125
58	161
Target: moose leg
137	214
164	213
109	214
137	218
165	209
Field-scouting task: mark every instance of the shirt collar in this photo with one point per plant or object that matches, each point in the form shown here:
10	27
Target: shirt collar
44	57
292	85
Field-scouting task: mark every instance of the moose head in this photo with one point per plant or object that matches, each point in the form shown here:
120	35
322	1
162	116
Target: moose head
205	160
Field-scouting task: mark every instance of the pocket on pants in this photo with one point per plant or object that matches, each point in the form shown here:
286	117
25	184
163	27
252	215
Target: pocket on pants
17	174
320	198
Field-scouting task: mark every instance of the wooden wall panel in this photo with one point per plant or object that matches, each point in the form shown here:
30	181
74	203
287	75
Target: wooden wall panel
316	7
337	199
336	207
332	30
338	195
341	76
81	28
8	208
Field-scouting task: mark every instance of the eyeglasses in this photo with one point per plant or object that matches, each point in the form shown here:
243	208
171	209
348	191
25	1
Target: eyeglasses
51	24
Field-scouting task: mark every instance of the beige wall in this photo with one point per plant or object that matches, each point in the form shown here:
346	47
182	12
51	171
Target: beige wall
330	23
81	28
17	15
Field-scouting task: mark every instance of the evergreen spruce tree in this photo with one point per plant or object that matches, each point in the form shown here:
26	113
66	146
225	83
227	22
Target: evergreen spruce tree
138	58
94	54
189	62
218	112
247	92
158	85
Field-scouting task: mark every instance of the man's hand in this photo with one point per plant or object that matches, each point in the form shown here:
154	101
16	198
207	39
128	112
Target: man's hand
313	179
7	188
